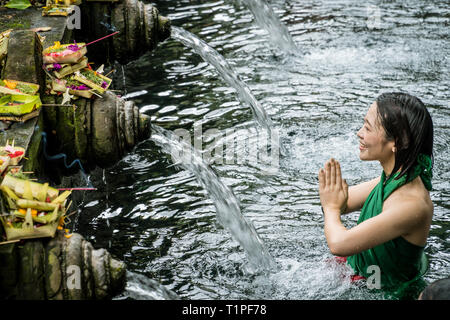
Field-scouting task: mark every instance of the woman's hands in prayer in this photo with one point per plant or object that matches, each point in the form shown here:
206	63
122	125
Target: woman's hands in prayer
333	190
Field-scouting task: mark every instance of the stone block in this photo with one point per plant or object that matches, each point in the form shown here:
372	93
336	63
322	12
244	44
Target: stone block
26	62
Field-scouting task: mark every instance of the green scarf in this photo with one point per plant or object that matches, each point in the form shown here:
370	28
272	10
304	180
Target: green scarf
401	263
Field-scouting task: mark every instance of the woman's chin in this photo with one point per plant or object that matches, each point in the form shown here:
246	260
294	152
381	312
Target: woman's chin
363	155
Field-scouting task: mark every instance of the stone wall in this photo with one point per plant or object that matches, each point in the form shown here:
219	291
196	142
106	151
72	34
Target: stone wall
98	131
140	27
59	269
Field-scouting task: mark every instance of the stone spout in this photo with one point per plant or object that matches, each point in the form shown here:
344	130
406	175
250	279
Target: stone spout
140	28
99	131
59	269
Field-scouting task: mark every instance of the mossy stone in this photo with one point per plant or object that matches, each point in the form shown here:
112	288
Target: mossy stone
104	130
80	125
25	64
31	270
33	154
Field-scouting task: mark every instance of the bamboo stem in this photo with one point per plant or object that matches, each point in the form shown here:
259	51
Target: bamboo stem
57	105
70	203
10	241
71	214
110	72
98	95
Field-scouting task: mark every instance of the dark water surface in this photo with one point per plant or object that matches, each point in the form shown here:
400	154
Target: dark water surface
161	222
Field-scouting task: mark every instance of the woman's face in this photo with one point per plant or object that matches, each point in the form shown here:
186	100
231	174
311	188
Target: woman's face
372	139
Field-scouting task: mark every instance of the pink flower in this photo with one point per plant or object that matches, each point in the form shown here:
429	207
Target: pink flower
73	47
80	87
10	149
61	53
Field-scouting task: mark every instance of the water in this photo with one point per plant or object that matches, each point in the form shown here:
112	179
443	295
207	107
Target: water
226	72
227	206
162	221
267	19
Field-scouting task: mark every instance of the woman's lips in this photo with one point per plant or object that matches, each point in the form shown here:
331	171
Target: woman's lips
361	146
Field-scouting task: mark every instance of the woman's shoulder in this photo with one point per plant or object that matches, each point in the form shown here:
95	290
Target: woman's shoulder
414	194
413	209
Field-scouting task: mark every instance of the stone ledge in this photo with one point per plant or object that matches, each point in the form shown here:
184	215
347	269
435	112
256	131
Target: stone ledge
43	268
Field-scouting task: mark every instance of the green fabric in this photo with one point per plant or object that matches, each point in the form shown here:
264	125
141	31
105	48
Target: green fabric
401	262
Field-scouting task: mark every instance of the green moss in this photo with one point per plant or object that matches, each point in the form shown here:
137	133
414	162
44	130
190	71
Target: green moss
65	129
15	23
34	147
81	137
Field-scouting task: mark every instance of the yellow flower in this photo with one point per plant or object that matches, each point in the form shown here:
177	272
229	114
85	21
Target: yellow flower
10	84
67	234
56	46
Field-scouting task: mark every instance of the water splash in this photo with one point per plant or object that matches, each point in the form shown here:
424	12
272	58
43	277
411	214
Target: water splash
140	287
214	58
135	94
227	206
268	20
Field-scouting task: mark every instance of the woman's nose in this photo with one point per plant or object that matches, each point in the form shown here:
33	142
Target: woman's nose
359	134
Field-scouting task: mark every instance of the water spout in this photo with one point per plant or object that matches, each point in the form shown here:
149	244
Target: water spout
268	20
211	56
227	206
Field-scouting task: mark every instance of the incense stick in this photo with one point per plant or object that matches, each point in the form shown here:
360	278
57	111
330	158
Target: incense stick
109	35
76	189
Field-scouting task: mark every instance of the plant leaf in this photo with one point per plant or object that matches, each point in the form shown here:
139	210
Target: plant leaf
18	4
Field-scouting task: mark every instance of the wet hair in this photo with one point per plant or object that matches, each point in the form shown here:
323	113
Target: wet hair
438	290
406	120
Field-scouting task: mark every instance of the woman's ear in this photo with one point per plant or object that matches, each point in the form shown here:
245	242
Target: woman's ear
391	145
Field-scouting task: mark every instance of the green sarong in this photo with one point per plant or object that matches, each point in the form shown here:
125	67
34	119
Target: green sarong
401	263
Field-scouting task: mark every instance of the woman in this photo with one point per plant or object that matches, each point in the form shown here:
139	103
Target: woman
396	209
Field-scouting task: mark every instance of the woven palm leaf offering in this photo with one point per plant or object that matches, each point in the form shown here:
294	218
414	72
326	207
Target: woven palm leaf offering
14	153
63	70
57	10
31	209
4	36
19	107
18	87
75	87
93	79
4	163
62	2
64	53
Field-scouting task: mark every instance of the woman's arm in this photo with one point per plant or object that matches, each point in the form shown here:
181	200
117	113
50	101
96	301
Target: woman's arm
399	219
358	194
